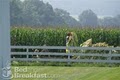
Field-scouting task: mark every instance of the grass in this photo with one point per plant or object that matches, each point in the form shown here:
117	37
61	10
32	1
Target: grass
34	63
68	73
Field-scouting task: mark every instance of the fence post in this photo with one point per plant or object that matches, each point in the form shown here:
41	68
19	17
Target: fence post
68	59
5	71
109	57
27	56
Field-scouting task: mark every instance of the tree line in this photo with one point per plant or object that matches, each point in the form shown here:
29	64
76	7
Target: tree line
36	13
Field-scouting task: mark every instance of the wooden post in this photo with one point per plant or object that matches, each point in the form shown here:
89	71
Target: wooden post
27	56
109	57
68	59
5	72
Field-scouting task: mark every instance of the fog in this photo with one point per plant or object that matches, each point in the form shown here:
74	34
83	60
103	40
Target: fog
100	7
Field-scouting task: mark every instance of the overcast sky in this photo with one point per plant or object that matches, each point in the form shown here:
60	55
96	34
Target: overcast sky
100	7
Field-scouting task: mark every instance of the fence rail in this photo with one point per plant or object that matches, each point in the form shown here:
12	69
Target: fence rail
90	54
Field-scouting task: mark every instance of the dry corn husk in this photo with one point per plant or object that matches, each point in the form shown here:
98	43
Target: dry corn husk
100	44
87	43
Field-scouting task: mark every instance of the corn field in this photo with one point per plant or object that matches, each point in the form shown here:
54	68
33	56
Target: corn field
57	36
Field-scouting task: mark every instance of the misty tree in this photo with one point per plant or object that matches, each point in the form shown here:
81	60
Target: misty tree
70	21
36	13
117	20
88	18
107	22
110	21
33	13
15	12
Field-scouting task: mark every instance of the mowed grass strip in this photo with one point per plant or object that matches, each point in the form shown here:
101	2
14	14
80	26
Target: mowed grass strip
67	73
